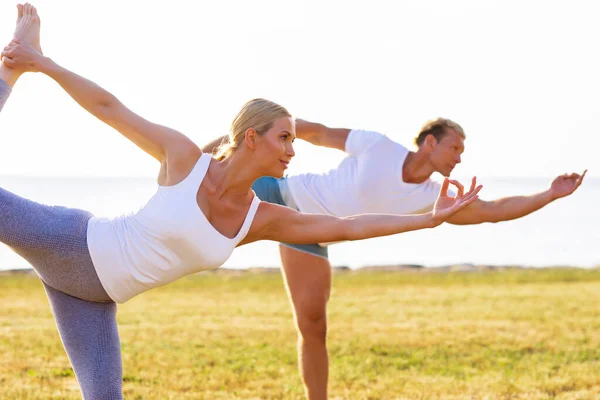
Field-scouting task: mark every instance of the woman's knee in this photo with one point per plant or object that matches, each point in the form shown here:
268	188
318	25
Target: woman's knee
102	390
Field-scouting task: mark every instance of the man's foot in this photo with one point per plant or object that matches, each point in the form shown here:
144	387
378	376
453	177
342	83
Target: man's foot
28	26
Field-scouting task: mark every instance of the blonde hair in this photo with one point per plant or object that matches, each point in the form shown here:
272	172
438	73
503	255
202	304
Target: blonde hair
259	114
438	128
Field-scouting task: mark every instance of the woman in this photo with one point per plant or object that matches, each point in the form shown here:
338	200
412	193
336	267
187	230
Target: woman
202	210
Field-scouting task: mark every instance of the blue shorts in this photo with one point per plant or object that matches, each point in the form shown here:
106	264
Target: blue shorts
269	189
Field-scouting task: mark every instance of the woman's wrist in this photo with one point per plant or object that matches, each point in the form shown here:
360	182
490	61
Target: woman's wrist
434	220
44	65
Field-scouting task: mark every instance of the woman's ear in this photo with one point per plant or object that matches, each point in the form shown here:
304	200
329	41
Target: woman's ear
250	138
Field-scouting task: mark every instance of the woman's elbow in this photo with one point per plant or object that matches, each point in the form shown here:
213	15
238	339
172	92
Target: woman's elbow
348	229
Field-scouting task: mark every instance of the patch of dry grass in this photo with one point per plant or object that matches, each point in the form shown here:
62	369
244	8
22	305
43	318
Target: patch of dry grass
494	335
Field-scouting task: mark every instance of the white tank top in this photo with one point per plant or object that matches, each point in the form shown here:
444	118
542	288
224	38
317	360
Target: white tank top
168	238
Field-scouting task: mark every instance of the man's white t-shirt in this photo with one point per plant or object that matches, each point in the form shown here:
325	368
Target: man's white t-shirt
369	180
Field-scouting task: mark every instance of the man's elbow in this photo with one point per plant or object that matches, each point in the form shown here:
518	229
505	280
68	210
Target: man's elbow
472	219
494	219
477	213
316	135
311	137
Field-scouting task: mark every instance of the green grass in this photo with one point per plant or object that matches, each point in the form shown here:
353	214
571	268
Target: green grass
517	334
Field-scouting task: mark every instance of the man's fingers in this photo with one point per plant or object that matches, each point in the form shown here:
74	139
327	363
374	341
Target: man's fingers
580	179
459	186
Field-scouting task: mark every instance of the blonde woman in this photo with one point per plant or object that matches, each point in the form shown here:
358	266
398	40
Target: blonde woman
202	210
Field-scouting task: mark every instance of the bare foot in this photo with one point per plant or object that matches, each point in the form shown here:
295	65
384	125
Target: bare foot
28	26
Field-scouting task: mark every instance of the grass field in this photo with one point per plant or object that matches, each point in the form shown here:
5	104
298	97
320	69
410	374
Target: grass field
521	334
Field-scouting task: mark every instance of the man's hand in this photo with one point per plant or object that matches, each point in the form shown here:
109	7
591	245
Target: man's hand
565	185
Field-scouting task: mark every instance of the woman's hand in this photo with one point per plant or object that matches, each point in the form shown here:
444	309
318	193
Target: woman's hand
22	57
446	206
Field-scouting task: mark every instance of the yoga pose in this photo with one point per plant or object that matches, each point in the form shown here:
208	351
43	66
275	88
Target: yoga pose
378	176
202	210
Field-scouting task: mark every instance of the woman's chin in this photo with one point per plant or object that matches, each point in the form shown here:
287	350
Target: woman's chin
278	173
275	171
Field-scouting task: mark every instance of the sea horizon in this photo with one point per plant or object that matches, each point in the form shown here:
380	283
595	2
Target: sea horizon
562	234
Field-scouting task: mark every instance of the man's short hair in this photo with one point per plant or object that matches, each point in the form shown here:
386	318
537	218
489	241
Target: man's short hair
438	128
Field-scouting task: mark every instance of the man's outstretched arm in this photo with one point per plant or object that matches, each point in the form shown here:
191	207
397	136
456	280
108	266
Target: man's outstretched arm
212	147
314	133
514	207
321	135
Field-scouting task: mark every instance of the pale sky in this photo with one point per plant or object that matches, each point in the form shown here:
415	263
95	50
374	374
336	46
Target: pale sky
521	77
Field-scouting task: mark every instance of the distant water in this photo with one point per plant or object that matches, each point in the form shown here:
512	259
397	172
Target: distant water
564	233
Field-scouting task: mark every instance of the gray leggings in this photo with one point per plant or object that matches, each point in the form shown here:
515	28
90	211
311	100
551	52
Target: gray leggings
54	241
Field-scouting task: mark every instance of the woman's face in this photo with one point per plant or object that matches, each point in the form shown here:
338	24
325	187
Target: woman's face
275	149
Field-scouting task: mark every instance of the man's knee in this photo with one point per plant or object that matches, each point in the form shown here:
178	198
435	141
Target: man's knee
312	323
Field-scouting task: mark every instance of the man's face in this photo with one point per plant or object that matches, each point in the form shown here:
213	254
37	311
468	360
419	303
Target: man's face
446	153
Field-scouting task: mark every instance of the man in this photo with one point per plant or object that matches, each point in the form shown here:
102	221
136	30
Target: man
378	176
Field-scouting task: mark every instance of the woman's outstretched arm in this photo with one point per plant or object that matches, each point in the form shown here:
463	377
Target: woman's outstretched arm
154	139
286	225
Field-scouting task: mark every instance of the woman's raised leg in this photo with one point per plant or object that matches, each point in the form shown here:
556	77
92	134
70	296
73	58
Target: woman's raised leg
53	238
27	31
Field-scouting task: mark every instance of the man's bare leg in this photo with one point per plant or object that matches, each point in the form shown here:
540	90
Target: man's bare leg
308	283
